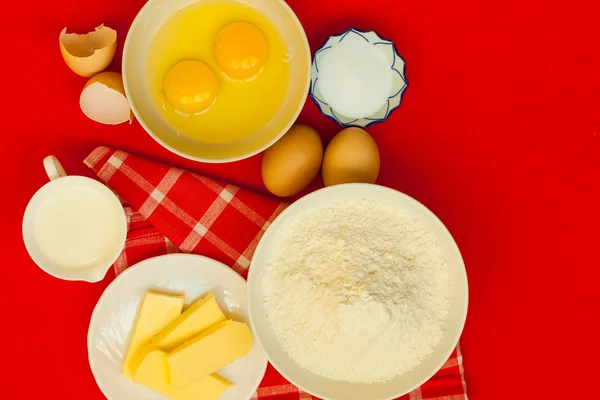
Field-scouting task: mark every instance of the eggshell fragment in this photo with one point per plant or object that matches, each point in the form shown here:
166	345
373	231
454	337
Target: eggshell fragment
351	157
293	162
90	53
103	99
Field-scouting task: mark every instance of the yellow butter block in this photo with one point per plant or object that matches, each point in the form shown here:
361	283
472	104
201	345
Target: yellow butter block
208	352
200	316
153	372
157	311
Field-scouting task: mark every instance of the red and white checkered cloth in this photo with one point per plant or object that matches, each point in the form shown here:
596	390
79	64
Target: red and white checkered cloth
171	210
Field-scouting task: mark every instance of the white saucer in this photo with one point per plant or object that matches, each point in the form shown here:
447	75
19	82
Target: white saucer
114	316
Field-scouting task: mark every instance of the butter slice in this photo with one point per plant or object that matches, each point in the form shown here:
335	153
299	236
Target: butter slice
156	312
200	316
153	372
208	352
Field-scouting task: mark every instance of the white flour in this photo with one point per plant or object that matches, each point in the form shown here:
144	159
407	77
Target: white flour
357	291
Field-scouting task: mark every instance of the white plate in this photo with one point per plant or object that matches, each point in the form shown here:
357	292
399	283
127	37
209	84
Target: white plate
338	390
114	316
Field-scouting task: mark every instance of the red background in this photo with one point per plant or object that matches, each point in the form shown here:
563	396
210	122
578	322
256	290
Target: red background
499	135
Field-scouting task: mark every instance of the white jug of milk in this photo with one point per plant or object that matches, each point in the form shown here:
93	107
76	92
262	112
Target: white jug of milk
74	227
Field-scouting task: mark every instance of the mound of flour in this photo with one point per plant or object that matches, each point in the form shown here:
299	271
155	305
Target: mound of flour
357	291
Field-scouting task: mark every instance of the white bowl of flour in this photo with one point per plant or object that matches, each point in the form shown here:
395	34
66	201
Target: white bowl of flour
357	292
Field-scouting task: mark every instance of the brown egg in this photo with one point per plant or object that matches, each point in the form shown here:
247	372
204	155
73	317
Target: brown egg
293	162
351	157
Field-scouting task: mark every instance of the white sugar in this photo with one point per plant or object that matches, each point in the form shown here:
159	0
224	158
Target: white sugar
355	78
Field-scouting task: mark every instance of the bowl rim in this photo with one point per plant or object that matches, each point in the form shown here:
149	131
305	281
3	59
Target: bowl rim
371	121
252	282
128	91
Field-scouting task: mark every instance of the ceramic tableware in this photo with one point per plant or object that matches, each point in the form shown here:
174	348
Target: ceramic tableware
135	54
114	317
338	390
74	227
396	64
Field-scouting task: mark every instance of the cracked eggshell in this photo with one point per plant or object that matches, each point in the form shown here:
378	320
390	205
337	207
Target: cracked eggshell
90	53
103	99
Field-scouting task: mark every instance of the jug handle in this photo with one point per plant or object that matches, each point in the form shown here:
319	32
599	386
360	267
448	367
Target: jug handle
53	168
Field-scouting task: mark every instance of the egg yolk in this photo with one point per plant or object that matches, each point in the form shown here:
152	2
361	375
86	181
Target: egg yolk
191	86
241	50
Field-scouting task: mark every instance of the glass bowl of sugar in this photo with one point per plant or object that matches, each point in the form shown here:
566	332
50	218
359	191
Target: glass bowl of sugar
358	78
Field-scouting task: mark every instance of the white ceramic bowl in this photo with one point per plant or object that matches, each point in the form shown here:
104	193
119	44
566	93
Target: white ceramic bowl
115	313
135	53
327	388
396	64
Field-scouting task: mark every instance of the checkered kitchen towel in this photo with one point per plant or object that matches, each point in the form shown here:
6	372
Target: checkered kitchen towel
171	210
